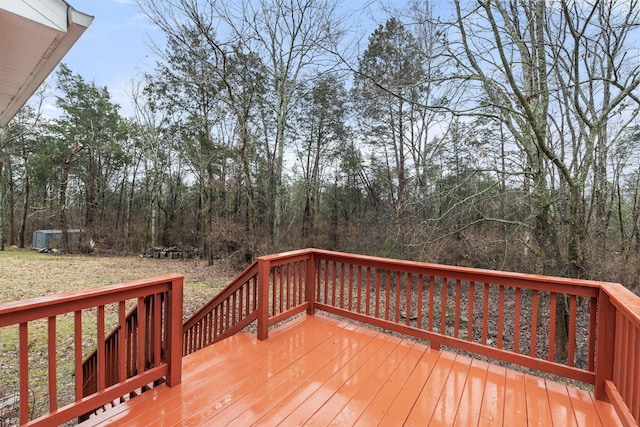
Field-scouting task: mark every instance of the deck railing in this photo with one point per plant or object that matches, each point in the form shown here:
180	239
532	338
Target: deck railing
234	308
134	360
505	316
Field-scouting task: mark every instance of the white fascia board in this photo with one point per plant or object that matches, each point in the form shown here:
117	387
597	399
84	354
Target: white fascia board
52	13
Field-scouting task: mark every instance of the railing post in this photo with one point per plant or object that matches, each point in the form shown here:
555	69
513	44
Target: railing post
310	286
263	298
605	342
174	345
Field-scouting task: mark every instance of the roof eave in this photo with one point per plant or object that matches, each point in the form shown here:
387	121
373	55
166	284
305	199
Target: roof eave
77	23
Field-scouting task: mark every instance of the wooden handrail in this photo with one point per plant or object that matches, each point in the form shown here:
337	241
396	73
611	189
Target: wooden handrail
165	290
620	383
231	310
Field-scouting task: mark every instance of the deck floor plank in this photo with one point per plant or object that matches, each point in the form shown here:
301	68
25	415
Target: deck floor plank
335	393
261	369
402	404
361	399
425	405
319	371
277	391
447	408
562	413
492	409
538	410
473	395
584	409
515	403
377	408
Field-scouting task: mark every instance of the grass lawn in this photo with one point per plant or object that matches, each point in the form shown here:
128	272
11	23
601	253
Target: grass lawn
27	274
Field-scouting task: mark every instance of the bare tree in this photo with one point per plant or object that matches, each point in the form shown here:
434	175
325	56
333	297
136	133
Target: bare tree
553	74
291	38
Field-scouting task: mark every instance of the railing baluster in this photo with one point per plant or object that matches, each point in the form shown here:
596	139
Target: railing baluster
443	309
122	356
142	328
102	365
534	323
500	315
485	314
472	289
326	282
408	292
274	294
456	321
158	328
552	326
359	290
387	293
77	350
334	283
368	291
624	337
419	301
350	286
397	310
377	293
290	292
52	356
432	287
234	302
572	331
342	273
24	372
281	294
296	280
516	322
591	354
632	363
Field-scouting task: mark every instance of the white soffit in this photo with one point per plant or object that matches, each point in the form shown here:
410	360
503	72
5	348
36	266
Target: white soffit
34	37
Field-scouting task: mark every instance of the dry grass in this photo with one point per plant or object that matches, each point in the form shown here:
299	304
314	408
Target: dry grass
27	274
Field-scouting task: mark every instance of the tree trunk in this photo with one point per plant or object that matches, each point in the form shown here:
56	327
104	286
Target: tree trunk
1	203
64	227
25	210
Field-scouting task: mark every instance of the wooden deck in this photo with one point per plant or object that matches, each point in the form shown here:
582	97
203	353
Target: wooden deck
319	371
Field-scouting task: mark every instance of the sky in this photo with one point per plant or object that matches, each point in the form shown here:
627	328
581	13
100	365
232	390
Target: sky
116	48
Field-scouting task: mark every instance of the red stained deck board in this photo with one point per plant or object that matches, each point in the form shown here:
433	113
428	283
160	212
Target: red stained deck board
562	413
515	403
405	399
361	400
320	371
492	409
336	392
277	391
538	410
378	407
446	410
473	395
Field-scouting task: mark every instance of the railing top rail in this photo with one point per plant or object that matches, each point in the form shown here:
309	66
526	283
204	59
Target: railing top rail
40	307
624	300
283	257
464	273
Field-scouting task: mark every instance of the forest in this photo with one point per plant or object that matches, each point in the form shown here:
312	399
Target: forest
499	134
